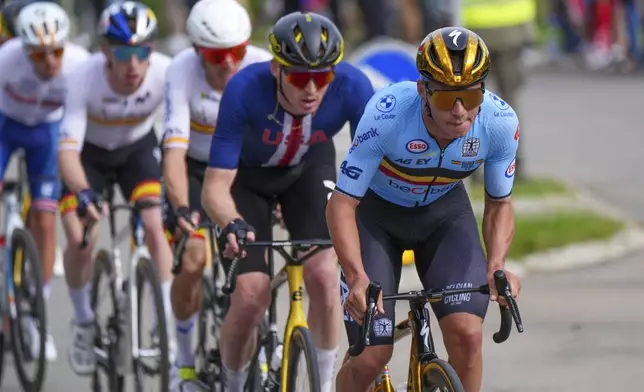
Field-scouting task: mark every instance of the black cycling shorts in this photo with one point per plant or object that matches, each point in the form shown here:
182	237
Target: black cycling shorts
448	254
135	168
196	173
301	190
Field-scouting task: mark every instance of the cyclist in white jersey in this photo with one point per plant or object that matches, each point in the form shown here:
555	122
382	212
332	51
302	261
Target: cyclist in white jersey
32	83
108	131
219	30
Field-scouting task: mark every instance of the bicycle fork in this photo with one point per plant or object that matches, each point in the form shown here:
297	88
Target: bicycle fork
12	222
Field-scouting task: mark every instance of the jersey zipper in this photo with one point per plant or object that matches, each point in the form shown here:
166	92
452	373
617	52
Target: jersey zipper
440	161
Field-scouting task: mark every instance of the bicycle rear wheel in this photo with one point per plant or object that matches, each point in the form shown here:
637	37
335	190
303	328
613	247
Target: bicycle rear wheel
439	376
30	311
301	348
146	275
107	332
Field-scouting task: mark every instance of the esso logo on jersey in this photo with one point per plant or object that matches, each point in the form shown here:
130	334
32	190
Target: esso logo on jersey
509	172
417	146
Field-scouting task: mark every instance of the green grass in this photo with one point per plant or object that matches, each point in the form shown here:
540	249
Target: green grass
528	188
538	233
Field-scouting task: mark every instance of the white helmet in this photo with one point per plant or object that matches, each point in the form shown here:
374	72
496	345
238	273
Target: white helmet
218	24
43	24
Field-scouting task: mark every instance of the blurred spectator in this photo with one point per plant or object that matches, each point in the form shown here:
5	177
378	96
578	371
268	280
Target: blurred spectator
419	17
506	27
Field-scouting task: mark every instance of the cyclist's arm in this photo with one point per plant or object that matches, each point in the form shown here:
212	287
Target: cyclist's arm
357	101
72	135
498	216
176	137
354	178
225	150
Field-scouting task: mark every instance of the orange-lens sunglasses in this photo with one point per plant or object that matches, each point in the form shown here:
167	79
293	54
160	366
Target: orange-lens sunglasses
39	55
445	99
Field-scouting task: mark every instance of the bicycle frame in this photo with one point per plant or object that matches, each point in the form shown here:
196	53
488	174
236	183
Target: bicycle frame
12	268
138	250
13	219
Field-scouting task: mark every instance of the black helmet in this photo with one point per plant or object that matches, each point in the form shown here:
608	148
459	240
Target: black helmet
306	40
10	10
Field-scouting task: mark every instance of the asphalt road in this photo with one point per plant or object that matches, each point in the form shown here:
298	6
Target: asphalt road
583	328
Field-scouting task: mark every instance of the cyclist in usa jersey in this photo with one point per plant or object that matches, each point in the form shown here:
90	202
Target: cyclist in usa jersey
219	30
274	140
400	187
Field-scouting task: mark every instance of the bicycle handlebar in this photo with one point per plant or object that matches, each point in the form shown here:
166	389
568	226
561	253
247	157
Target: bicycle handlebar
509	313
300	245
136	207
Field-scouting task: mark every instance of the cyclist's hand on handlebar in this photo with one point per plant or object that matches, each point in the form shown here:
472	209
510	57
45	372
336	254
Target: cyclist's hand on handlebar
356	303
235	231
90	206
513	281
186	220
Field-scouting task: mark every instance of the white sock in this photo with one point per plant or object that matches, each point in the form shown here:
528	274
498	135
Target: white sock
326	365
185	352
83	313
234	380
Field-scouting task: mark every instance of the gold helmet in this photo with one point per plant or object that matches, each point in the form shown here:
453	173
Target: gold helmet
453	56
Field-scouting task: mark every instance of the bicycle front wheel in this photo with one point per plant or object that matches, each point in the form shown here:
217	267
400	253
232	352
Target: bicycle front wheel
302	359
28	330
156	364
439	376
105	377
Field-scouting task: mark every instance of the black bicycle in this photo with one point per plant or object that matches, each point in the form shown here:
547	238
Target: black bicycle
427	372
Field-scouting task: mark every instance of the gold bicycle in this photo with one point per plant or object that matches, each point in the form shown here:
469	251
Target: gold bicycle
427	372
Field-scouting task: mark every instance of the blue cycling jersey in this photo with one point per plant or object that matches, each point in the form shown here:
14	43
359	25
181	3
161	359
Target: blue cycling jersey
394	155
252	129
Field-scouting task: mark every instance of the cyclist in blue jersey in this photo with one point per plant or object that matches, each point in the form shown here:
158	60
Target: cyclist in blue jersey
273	140
400	187
33	87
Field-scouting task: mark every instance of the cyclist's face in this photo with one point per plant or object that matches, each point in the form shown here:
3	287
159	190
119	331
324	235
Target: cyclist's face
453	110
129	63
304	89
221	64
48	62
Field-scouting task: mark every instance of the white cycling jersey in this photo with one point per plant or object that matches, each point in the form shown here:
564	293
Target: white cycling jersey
192	106
95	114
27	98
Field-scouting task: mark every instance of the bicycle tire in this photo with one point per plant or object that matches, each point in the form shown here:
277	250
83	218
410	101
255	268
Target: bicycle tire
254	381
103	267
22	240
302	343
440	374
146	271
208	358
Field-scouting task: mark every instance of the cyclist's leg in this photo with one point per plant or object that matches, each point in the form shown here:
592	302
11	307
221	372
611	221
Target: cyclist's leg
186	287
41	159
139	179
78	262
304	205
252	293
457	261
382	263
